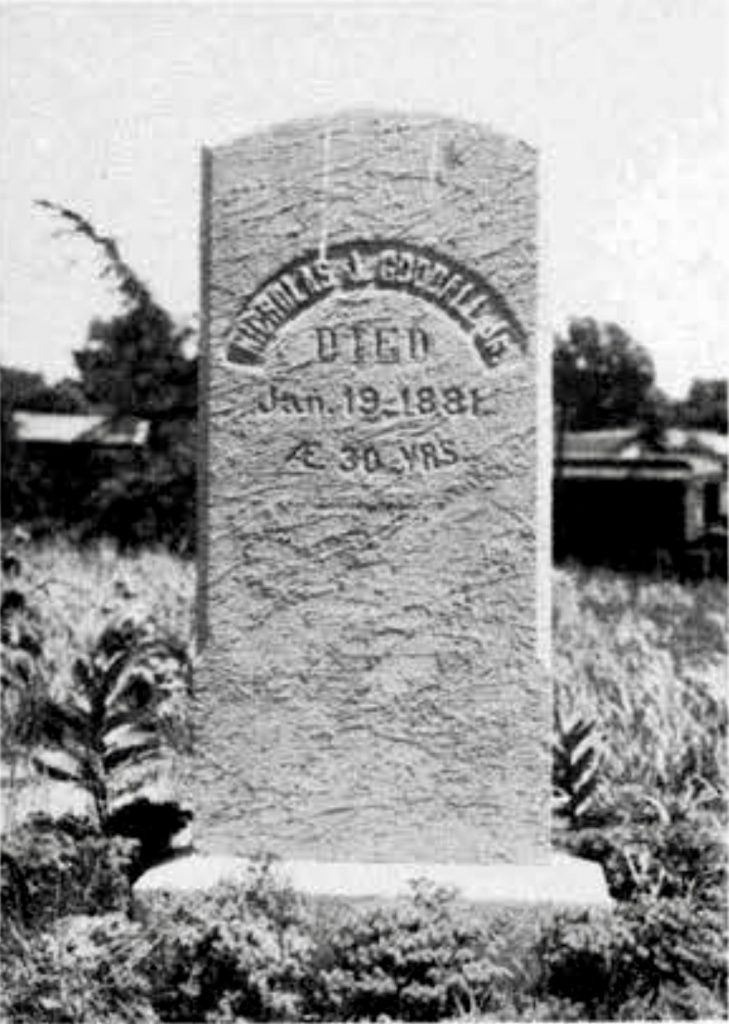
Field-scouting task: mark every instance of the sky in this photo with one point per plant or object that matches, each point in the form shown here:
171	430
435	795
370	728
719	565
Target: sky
104	108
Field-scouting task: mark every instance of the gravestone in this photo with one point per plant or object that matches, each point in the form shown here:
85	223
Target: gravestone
370	689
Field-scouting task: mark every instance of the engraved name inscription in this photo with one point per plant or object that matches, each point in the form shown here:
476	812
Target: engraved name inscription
473	303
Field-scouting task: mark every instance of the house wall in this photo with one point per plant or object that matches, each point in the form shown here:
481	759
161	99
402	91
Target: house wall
619	522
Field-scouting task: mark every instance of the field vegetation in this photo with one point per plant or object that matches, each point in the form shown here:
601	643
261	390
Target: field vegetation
97	652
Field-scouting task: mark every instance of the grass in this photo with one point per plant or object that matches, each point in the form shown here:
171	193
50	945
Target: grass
645	660
77	590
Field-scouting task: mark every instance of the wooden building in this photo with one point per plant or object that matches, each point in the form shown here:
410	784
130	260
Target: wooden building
622	501
58	459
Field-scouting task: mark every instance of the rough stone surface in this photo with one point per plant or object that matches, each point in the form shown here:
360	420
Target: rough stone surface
369	689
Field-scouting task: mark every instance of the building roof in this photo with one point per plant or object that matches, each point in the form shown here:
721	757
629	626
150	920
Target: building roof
624	454
626	469
628	443
68	428
595	444
700	440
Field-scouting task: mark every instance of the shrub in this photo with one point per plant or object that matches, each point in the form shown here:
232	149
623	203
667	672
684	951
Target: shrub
23	663
84	969
685	857
239	951
150	501
423	958
649	953
261	952
64	866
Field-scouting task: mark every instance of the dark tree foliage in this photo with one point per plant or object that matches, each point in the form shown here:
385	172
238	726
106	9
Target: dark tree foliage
16	386
601	378
135	363
24	390
19	387
705	407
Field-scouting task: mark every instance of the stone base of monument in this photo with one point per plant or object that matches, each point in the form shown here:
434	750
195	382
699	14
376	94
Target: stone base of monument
562	882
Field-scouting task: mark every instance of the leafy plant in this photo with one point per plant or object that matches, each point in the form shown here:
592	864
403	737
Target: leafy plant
258	951
575	766
106	728
22	659
421	958
53	868
86	968
683	858
642	955
239	951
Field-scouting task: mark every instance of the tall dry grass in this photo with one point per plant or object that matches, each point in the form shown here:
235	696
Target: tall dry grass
646	659
76	590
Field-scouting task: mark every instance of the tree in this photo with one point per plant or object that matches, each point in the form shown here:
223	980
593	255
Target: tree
65	396
108	720
601	377
22	389
706	405
137	363
134	363
19	388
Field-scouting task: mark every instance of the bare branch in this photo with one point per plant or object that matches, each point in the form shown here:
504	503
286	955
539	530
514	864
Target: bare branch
132	288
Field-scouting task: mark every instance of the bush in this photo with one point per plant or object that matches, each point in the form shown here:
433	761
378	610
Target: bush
23	664
236	951
84	969
680	858
424	958
261	952
650	954
62	867
149	502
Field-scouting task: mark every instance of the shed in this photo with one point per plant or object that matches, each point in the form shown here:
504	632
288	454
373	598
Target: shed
622	500
59	459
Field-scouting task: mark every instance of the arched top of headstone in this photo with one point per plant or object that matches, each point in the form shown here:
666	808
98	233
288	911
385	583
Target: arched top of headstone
365	118
433	206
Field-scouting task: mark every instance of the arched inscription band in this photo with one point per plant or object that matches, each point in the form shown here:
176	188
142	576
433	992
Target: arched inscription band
474	304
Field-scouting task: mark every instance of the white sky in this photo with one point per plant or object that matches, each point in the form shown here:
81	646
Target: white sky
105	107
